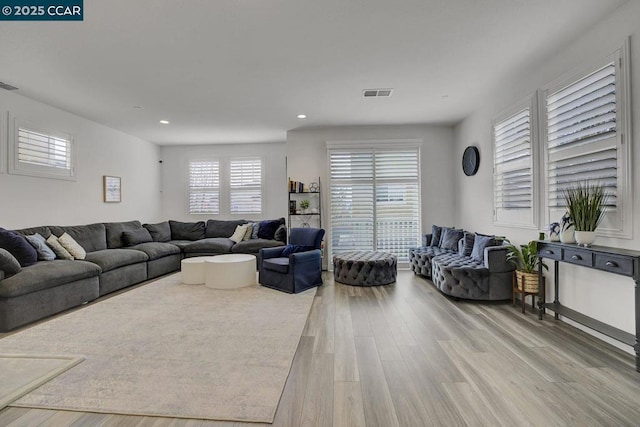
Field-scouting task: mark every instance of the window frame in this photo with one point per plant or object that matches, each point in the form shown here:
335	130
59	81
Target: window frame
621	60
230	190
203	189
532	220
16	167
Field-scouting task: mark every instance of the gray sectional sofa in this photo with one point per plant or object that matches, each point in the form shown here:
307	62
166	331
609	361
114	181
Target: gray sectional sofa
466	265
118	255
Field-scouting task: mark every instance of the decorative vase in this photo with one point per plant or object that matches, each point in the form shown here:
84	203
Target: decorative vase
585	238
554	231
567	235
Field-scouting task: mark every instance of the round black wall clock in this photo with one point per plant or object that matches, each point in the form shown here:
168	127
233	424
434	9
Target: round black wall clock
470	160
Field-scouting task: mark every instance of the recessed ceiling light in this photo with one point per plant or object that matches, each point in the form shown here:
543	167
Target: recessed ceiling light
164	122
137	107
302	116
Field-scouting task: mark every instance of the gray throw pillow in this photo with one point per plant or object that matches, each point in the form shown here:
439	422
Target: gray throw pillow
281	234
479	245
467	244
442	233
45	253
187	230
256	228
160	232
450	238
135	237
436	233
8	263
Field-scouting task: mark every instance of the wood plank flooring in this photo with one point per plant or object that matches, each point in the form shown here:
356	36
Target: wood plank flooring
405	355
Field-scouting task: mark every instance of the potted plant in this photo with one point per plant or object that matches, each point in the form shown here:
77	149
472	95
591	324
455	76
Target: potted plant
304	205
586	206
526	262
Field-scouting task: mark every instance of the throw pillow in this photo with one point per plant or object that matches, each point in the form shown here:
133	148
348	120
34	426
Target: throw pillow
40	245
247	235
135	237
499	239
160	232
467	245
292	249
18	246
436	232
238	235
281	234
450	238
256	228
479	245
444	230
72	246
59	250
268	229
187	230
8	263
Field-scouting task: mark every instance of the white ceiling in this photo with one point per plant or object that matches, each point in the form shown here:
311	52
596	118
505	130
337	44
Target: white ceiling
229	71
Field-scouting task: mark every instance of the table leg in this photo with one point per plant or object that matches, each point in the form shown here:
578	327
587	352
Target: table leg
541	291
636	347
556	281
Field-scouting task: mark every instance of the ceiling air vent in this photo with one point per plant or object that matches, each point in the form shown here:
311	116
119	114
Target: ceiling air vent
7	86
373	93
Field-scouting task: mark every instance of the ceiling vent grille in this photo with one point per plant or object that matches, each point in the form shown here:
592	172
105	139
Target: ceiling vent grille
7	86
376	93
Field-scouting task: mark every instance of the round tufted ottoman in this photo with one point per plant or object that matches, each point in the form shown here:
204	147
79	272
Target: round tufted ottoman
365	268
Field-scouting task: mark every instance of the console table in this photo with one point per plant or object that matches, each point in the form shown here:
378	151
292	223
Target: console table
613	260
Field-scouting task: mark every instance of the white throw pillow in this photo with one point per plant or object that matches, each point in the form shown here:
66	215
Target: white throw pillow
72	246
238	235
60	251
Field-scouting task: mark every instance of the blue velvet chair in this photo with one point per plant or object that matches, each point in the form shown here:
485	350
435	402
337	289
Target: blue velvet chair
295	272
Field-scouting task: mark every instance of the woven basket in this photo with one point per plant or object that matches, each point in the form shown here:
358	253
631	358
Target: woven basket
528	280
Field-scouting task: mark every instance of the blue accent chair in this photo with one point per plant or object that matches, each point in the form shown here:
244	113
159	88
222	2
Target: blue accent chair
295	272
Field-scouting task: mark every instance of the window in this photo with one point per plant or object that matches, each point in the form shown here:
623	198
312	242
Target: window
41	153
513	167
586	121
375	200
245	185
204	187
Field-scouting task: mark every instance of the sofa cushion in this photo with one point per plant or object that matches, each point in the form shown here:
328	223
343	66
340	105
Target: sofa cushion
45	275
110	259
114	232
220	228
160	232
180	243
268	228
451	237
281	265
73	247
45	253
18	246
59	250
92	237
8	263
253	246
479	245
44	231
467	243
214	245
155	250
135	237
186	230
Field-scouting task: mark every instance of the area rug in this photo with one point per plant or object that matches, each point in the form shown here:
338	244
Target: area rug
172	350
21	373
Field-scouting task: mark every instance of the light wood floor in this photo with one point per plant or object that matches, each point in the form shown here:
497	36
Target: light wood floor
405	355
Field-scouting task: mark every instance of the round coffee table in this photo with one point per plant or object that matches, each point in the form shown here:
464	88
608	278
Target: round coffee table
230	271
193	270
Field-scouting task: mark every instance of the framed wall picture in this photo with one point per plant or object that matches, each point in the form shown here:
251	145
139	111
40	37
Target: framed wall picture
112	189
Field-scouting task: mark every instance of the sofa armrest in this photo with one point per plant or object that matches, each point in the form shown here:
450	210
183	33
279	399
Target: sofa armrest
426	239
495	259
306	256
1	274
266	253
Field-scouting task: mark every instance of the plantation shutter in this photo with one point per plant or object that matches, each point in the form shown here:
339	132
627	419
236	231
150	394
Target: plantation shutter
37	148
204	187
581	135
245	185
374	200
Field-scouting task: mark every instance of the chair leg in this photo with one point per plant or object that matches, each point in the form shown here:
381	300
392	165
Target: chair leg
524	297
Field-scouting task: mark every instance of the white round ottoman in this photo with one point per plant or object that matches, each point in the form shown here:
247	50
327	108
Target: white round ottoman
230	271
193	270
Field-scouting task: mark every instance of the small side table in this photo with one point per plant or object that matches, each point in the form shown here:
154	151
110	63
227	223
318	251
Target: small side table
230	271
525	291
193	270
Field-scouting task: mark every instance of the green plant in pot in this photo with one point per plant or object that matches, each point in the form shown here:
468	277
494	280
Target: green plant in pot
304	205
525	258
586	205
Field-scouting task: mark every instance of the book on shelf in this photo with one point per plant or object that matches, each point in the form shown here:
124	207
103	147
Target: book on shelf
296	186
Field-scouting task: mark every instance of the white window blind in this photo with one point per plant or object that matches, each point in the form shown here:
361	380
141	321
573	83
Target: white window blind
41	153
375	200
581	135
513	169
204	187
245	185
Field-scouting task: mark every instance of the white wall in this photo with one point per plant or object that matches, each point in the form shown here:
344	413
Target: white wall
606	297
307	160
175	178
29	201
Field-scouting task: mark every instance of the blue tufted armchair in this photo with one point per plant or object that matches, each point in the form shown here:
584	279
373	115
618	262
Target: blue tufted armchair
296	267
